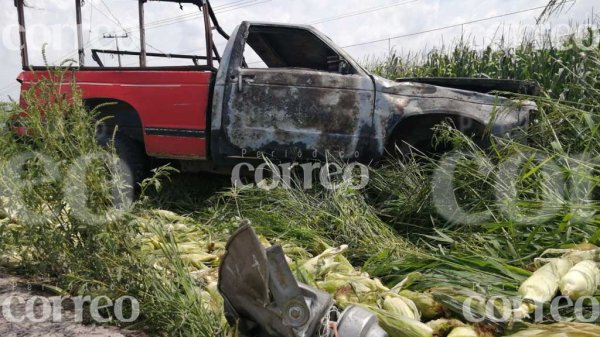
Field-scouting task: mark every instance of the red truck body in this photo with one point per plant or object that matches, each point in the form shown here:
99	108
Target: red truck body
172	102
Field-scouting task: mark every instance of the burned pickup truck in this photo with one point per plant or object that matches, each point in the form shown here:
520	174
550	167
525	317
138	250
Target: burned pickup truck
307	98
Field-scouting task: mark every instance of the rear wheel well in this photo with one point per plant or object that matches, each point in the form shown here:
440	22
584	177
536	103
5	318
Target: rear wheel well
115	113
417	132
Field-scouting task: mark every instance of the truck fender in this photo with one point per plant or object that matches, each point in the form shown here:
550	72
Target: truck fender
117	113
417	130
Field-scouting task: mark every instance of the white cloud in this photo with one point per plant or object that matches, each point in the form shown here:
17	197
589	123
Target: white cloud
49	21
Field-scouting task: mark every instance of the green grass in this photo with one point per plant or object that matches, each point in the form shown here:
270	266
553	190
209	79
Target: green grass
564	138
44	237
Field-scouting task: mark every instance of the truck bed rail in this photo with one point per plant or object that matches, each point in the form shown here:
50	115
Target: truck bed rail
96	57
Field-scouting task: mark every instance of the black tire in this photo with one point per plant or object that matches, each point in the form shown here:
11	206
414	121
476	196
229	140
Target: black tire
414	144
417	140
131	153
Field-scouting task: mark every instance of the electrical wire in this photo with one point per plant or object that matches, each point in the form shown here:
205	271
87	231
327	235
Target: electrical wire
445	27
228	7
435	29
195	14
91	21
365	11
362	12
198	15
116	19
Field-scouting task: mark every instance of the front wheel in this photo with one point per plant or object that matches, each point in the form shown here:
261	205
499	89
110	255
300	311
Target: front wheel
417	137
416	143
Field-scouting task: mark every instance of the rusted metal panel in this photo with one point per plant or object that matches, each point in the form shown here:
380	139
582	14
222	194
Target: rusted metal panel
290	112
298	112
286	112
397	101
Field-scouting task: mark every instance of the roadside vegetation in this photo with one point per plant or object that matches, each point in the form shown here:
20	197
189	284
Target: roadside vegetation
165	247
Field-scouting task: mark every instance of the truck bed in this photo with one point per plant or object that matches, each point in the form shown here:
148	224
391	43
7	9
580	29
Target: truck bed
171	102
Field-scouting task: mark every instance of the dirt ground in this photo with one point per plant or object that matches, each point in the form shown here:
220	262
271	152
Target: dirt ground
68	327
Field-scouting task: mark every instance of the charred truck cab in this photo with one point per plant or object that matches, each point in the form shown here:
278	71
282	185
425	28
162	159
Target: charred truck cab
305	97
311	96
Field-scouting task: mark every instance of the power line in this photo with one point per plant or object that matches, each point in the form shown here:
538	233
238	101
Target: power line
172	18
91	22
116	38
195	14
437	29
361	12
116	19
90	40
191	16
222	9
198	15
127	35
355	13
445	27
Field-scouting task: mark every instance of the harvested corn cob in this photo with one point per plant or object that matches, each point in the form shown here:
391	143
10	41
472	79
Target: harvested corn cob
463	331
582	280
543	284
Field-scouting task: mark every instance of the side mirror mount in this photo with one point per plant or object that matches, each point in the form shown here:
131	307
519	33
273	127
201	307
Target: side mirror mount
338	64
344	67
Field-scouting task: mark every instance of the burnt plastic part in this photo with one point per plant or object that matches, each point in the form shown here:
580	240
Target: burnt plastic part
261	296
482	85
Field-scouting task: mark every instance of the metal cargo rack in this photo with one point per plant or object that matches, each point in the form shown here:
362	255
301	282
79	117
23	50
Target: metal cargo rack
210	23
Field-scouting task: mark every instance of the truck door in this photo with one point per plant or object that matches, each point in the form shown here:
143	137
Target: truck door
306	99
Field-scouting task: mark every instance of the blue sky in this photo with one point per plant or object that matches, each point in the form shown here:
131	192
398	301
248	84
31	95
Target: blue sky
347	22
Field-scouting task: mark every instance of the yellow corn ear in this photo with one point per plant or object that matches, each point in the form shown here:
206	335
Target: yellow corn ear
443	326
463	331
400	305
429	308
400	326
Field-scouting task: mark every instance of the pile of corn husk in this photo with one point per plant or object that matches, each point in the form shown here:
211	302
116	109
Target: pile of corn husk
575	274
401	312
